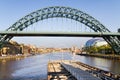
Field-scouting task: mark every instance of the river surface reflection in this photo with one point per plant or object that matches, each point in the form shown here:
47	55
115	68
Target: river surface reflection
35	67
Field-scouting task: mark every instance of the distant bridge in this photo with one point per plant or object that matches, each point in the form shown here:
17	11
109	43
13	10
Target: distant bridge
63	12
59	34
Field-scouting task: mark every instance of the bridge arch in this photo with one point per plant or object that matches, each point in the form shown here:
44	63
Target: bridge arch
57	11
63	12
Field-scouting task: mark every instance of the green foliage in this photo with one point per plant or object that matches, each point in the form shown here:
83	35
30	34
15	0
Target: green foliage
106	49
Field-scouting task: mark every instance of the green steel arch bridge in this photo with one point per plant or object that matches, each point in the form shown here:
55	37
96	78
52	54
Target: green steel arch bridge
113	39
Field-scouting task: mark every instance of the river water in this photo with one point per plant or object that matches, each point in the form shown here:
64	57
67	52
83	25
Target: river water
35	67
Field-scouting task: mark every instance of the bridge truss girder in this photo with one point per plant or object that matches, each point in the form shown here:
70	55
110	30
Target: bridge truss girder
63	12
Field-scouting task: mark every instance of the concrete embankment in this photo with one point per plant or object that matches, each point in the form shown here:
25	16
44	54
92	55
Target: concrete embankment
107	56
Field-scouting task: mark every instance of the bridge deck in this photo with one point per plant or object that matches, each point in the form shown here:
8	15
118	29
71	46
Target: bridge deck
57	34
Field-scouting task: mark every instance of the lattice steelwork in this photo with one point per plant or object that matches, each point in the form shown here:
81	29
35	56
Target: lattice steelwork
63	12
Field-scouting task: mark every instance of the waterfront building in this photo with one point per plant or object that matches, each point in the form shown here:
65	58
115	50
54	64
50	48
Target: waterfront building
14	48
75	50
95	42
96	45
10	48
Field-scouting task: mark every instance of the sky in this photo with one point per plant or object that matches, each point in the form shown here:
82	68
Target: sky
105	11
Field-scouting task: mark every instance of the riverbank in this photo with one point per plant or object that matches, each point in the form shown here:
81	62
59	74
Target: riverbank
107	56
8	57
